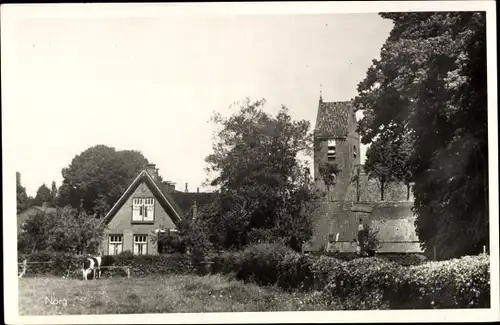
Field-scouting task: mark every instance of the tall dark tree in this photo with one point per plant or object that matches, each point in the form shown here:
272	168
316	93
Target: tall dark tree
98	176
264	188
22	197
53	194
43	195
431	81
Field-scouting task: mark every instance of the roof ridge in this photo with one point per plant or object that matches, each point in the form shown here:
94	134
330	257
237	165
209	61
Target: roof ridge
168	196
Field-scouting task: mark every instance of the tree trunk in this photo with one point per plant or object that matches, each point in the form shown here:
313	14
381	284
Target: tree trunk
382	187
407	191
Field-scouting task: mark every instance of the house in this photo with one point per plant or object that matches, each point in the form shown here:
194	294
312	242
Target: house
147	207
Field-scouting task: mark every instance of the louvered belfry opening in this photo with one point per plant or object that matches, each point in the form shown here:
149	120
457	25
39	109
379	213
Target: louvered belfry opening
332	147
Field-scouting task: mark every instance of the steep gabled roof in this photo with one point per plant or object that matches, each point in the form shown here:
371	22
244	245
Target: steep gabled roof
165	200
333	119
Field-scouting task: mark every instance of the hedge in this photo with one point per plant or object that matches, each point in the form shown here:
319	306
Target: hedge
366	283
457	283
62	264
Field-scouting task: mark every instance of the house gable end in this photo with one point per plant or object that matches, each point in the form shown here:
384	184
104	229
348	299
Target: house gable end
145	178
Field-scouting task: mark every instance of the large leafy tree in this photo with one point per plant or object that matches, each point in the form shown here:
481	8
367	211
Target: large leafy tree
379	163
430	83
62	231
21	197
388	160
265	190
97	177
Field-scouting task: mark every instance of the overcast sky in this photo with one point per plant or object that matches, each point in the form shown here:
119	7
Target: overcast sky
152	84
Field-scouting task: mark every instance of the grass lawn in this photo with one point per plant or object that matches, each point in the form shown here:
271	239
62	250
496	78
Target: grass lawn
155	294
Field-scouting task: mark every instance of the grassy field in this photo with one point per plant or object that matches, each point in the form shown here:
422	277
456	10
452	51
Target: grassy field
167	294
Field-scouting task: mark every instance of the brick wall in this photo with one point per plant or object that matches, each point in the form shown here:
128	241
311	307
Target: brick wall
395	222
121	224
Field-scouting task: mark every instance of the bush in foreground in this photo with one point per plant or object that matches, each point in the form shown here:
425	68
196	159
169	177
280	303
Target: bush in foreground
457	283
260	263
369	283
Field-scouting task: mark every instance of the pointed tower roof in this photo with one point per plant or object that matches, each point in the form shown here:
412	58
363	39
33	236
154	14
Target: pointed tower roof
332	119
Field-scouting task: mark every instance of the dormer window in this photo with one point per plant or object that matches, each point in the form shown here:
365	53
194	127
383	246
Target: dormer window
143	210
331	150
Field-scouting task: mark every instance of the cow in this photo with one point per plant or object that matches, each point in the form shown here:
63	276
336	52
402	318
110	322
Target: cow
96	265
92	265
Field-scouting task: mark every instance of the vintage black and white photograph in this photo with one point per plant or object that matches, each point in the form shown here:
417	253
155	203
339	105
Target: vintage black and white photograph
171	161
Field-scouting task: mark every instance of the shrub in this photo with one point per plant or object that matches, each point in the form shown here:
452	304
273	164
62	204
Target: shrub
226	262
371	239
324	268
171	243
295	271
260	263
362	282
457	283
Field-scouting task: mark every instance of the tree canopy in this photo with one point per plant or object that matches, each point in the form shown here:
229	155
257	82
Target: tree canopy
98	176
429	86
63	231
43	195
265	190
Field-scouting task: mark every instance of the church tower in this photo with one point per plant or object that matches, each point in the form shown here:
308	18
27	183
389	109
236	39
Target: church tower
336	141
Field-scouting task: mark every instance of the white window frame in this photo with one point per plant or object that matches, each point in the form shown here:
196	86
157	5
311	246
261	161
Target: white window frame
143	210
115	244
140	245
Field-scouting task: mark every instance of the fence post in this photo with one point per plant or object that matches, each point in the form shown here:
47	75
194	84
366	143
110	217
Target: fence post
435	258
484	249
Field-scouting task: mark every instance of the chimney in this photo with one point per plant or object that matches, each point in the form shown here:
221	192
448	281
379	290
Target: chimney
186	190
169	186
152	171
197	190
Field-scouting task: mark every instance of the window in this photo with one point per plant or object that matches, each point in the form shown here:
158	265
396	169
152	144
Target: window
331	150
140	244
354	153
115	244
143	210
